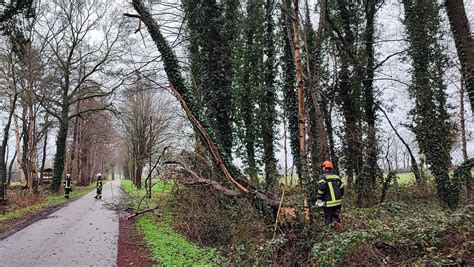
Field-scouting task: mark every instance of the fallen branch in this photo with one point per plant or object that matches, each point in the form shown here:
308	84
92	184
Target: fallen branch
278	213
143	212
112	205
197	180
201	181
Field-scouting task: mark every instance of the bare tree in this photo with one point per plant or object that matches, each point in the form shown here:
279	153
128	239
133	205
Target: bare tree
78	61
9	96
92	143
144	121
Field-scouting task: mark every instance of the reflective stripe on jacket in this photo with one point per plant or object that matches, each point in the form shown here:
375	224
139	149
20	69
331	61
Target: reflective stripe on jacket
330	189
67	183
99	184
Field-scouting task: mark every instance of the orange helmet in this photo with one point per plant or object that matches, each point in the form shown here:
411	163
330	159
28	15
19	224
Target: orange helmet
327	165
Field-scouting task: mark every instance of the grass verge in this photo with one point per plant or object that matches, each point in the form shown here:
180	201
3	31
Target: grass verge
47	201
169	247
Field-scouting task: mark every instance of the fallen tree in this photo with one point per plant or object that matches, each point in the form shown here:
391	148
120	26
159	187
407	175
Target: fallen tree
260	200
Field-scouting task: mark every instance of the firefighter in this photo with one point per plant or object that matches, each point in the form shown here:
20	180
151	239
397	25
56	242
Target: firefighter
99	186
67	186
330	192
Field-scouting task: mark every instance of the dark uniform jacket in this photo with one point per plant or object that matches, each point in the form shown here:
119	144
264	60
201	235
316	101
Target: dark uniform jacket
67	183
99	184
330	189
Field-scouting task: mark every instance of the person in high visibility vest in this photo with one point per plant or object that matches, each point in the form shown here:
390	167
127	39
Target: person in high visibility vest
67	186
98	186
330	192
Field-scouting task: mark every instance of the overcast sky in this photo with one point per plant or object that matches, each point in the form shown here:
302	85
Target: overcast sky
389	29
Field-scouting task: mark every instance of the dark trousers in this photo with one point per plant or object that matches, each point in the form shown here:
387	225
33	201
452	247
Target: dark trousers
66	192
331	214
99	193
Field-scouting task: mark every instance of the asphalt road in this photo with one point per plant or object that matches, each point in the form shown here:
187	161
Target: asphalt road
83	233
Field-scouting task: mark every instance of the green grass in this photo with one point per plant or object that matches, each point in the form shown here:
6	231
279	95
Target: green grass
404	178
169	247
50	200
159	189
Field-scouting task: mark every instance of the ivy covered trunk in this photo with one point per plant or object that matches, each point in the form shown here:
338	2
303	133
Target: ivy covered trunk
367	181
60	157
432	127
251	84
210	59
269	100
290	102
343	22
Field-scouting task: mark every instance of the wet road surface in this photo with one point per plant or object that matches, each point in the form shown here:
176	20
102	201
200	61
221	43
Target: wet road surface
82	233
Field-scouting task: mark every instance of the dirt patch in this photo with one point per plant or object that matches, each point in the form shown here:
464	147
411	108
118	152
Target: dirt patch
9	227
132	249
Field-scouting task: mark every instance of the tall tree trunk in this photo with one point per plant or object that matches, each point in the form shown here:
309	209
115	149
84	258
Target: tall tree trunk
269	100
10	169
6	130
300	90
351	75
431	118
248	106
3	164
94	163
310	81
74	144
463	123
60	157
21	170
25	130
327	113
315	74
45	144
367	182
285	149
311	132
32	160
464	43
301	108
290	103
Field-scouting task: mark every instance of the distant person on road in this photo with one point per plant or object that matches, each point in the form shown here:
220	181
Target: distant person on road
67	186
98	186
330	192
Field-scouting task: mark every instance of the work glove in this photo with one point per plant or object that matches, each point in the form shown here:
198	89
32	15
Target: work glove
320	203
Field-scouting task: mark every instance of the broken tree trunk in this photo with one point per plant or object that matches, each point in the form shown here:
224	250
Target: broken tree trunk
301	106
183	94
